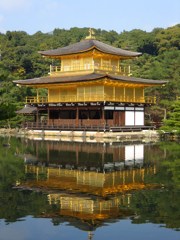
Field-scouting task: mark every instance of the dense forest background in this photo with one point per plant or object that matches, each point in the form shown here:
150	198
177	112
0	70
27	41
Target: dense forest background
19	59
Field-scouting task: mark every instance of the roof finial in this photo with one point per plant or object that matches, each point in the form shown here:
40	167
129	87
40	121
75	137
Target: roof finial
91	34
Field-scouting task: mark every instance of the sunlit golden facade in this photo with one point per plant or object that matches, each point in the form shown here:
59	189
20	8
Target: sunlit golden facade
94	83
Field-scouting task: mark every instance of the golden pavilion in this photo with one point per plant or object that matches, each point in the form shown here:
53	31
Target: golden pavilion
90	89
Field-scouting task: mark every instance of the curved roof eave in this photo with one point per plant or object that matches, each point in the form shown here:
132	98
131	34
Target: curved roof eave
137	80
89	77
87	45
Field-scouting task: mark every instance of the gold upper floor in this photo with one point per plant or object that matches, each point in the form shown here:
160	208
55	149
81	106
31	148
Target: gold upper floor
90	62
92	93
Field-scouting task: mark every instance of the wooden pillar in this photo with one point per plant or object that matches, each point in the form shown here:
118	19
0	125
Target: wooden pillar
77	116
37	118
34	118
48	116
37	95
37	173
114	94
103	117
116	118
124	97
143	96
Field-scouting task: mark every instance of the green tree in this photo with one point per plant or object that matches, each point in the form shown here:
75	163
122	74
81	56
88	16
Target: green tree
19	58
172	123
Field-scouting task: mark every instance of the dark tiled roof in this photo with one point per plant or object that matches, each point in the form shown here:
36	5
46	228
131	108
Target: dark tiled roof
63	79
88	77
87	45
27	110
137	80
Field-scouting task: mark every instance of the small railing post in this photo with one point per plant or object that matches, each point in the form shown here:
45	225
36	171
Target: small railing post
129	70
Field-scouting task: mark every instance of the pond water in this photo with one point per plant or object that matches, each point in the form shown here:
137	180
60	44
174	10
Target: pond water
89	190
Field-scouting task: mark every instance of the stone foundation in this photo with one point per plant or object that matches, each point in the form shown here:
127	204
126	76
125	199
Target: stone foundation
144	135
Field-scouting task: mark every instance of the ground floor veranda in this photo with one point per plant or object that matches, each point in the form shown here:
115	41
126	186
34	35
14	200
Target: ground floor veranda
96	116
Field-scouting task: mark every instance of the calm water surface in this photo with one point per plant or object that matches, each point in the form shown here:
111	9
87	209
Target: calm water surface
79	190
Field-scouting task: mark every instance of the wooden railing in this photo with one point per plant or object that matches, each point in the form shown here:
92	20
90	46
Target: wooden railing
150	100
94	98
123	70
96	125
36	100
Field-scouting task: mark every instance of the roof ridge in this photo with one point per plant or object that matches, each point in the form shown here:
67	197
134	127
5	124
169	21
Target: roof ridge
88	44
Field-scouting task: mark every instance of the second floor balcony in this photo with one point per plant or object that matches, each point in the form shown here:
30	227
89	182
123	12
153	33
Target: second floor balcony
94	98
87	68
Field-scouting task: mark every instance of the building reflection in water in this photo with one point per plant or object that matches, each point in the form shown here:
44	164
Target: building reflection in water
91	183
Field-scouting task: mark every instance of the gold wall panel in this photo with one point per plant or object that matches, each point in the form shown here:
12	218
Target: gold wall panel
96	93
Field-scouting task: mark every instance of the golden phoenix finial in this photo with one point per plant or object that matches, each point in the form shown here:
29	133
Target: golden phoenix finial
91	34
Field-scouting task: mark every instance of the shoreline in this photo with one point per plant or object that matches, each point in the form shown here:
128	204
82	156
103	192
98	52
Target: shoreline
92	136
